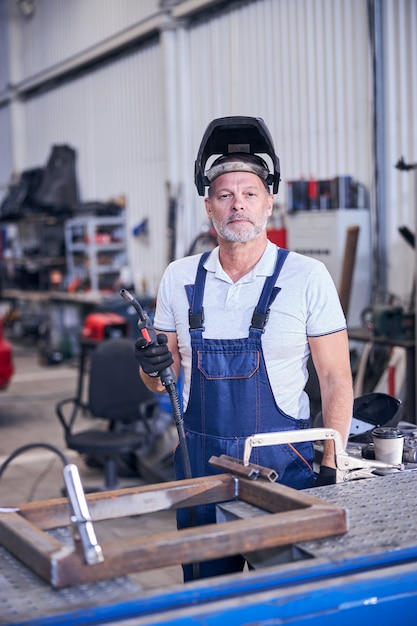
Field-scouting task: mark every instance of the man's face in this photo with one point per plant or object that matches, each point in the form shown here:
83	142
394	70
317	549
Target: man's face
239	206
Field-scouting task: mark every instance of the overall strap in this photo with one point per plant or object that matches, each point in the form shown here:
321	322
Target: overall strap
268	295
261	313
195	296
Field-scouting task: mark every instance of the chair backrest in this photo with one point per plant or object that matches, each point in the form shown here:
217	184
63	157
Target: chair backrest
115	387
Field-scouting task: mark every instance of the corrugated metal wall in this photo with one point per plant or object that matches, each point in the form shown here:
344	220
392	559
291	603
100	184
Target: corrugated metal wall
137	120
400	34
113	117
59	30
308	76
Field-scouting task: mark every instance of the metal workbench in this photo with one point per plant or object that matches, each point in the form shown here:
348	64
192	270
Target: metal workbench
368	575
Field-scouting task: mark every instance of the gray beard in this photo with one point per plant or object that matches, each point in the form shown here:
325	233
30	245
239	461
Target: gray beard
228	234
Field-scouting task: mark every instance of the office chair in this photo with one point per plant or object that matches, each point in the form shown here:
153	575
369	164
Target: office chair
118	396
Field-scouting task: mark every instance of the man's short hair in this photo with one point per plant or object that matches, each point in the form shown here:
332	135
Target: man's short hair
238	162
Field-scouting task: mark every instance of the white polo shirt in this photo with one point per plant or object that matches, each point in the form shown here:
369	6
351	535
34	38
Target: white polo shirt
306	306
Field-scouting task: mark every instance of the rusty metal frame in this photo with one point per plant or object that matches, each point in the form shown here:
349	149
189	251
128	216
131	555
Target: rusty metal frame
294	517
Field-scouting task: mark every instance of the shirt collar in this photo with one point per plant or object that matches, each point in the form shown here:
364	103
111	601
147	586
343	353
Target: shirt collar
264	267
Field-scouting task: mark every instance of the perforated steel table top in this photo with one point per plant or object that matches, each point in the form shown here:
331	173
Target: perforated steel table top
382	515
24	596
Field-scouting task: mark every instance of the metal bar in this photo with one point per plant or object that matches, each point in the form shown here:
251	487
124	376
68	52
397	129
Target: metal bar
264	496
300	517
134	500
28	543
251	471
200	544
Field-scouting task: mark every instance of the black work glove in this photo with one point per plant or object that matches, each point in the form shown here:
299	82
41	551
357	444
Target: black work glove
327	476
154	358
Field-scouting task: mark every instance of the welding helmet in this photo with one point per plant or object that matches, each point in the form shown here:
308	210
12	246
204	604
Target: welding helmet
372	410
238	142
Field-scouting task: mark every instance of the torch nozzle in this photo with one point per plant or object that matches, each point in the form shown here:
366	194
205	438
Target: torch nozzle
129	298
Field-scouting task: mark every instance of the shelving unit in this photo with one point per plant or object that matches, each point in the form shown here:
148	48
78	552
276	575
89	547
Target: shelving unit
95	250
33	252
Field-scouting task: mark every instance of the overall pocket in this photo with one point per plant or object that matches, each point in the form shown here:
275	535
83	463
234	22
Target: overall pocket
228	365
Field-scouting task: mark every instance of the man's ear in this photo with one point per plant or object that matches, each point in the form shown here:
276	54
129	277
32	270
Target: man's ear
208	206
270	203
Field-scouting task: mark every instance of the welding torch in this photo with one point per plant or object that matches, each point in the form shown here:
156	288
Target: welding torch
168	379
167	376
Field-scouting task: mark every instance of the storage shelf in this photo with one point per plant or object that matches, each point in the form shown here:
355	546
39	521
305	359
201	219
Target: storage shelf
88	240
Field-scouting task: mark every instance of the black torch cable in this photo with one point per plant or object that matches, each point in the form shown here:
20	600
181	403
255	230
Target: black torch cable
27	447
179	423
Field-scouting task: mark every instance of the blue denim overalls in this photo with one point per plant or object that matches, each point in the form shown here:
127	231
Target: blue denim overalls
231	399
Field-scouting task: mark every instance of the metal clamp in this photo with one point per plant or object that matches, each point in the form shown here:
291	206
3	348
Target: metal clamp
347	467
80	516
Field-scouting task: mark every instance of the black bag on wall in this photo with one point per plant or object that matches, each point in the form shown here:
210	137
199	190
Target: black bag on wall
58	189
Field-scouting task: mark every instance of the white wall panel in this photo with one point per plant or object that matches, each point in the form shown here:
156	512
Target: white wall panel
304	67
60	29
400	33
113	117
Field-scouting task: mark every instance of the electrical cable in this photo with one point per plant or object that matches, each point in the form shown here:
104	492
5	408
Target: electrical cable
29	446
34	486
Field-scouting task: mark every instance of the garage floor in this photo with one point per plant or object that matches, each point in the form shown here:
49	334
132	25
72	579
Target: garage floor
27	416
